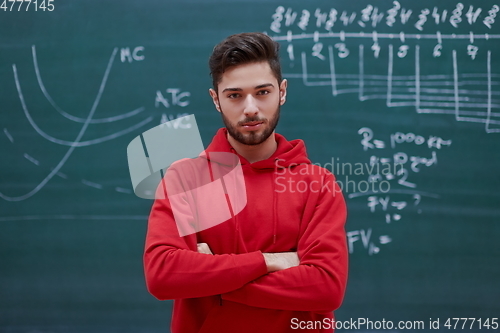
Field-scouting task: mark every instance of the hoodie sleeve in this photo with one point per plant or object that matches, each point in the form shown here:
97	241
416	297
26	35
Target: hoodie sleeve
319	282
174	268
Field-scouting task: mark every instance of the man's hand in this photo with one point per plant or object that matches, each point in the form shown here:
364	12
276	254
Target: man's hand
279	261
204	248
274	261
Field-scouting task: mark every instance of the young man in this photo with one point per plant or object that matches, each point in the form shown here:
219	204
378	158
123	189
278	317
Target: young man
280	264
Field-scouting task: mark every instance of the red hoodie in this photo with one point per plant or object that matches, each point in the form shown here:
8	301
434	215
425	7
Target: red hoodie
292	205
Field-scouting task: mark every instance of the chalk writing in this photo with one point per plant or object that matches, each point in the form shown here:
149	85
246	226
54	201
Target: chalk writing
372	16
403	194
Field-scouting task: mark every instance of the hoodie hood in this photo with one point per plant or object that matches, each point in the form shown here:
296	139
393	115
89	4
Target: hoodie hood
288	152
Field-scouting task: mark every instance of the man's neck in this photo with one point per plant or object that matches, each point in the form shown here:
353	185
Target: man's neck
255	153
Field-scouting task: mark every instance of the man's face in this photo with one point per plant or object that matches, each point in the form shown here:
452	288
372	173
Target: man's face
249	99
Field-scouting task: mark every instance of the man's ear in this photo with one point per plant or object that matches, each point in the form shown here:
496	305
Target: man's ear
215	98
283	86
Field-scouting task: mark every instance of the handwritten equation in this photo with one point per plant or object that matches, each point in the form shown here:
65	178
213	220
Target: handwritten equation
392	163
373	16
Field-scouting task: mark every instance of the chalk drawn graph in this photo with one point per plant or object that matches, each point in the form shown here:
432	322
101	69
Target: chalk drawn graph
77	142
469	97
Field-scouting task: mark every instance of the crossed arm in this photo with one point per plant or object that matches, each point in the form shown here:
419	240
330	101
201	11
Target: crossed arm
274	261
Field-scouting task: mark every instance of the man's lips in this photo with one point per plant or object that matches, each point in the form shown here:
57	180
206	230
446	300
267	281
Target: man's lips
252	123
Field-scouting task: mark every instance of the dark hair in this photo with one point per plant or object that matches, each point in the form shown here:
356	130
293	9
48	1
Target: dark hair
242	49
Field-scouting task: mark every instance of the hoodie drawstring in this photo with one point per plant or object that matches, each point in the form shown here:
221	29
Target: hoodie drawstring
275	202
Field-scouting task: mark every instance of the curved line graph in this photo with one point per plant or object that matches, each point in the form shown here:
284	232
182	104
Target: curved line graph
87	121
66	114
72	147
65	142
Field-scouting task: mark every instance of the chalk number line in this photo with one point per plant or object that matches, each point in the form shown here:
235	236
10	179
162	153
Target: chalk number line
429	94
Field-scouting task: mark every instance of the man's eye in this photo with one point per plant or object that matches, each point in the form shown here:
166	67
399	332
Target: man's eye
263	92
232	96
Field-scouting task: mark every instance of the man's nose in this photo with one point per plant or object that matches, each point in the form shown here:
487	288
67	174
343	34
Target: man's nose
250	107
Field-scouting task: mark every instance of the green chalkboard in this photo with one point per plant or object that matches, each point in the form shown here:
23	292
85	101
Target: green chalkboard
400	99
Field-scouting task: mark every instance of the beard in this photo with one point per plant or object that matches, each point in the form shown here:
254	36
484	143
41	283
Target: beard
252	138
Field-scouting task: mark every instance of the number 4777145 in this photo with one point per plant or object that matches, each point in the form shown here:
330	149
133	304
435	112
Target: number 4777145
470	323
27	5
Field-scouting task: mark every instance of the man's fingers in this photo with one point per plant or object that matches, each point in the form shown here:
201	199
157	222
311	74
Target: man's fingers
204	248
